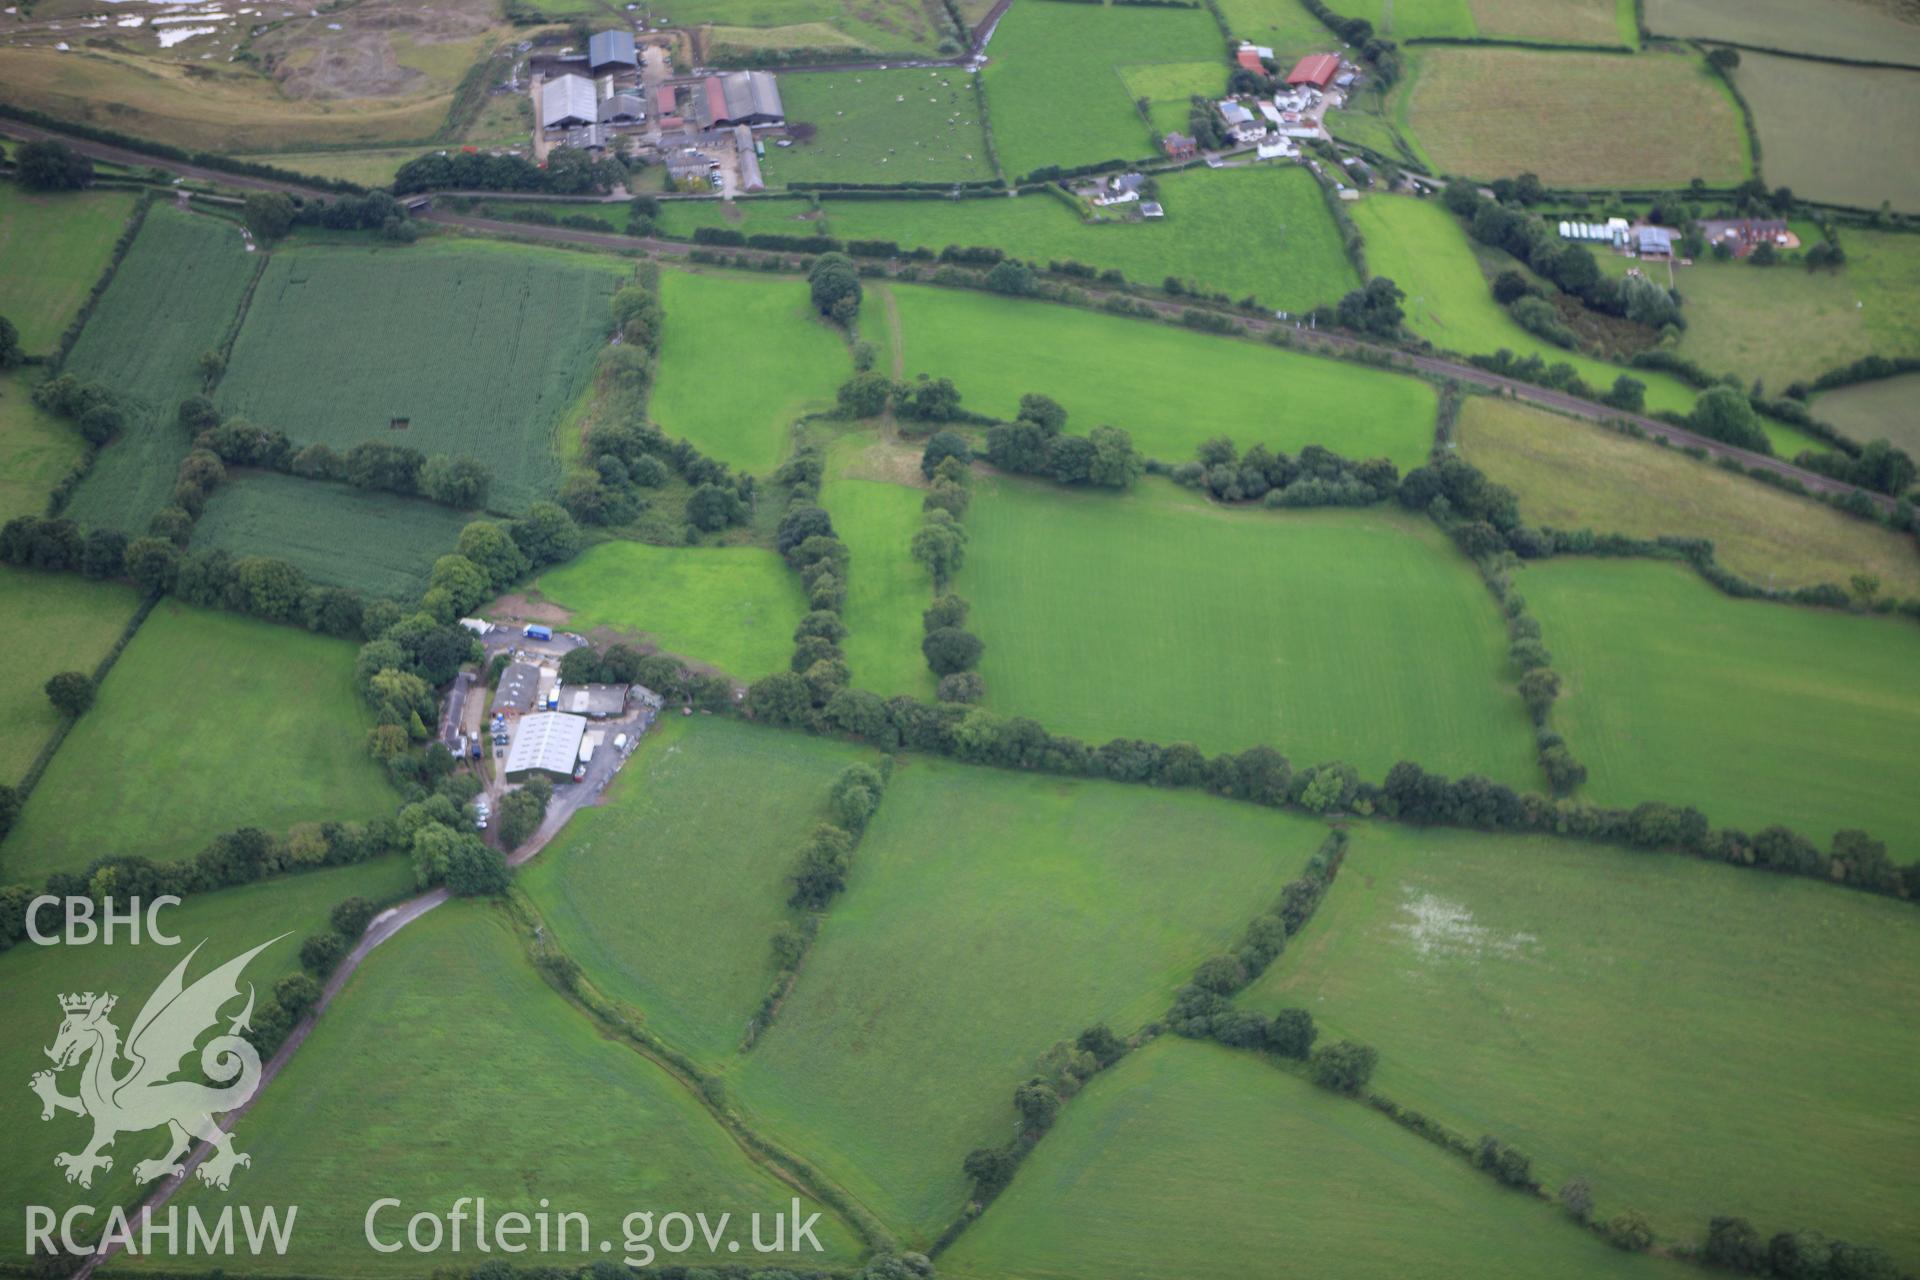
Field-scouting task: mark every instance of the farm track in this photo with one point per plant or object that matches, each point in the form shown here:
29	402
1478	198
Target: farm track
1546	397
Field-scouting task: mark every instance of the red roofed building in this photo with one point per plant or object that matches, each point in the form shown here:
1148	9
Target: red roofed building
1316	69
664	105
1247	58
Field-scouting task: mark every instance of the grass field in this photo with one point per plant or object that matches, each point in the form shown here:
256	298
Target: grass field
1056	87
1169	88
1863	29
482	348
174	298
1830	155
1572	475
1880	410
732	608
1780	325
1407	19
883	26
441	1047
1478	112
670	893
1171	388
32	979
989	915
910	125
877	517
1661	674
1196	1160
52	249
373	167
1356	636
1422	248
36	449
1285	26
1566	998
53	623
335	534
208	722
1597	22
704	394
1263	231
1885	268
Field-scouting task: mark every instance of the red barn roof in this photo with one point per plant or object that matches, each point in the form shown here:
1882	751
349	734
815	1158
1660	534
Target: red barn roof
663	100
1316	69
1248	59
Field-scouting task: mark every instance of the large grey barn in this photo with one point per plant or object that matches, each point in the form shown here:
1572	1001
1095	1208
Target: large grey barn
611	51
739	97
566	101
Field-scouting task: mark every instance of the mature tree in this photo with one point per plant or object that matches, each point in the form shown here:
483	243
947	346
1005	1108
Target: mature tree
465	582
1724	58
1733	1245
835	284
520	815
546	534
1630	1231
1113	463
1724	413
152	564
942	445
713	507
490	546
473	869
1576	1197
10	352
1343	1066
945	611
865	395
52	166
455	482
940	547
961	686
269	215
950	650
71	693
1291	1033
1012	277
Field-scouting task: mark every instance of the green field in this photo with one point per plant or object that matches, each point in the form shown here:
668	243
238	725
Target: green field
32	978
208	722
1577	119
1662	674
1831	154
441	1049
1329	635
670	893
1285	26
730	608
876	516
1573	475
1881	410
1567	998
1424	249
1407	19
1780	325
1885	268
1171	388
730	406
1263	231
1169	88
52	250
910	125
482	349
1056	83
1597	22
36	449
1862	29
989	915
1195	1160
335	534
371	168
881	26
173	299
52	623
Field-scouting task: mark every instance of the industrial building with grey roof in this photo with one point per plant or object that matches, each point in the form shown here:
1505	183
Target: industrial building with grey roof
568	100
546	742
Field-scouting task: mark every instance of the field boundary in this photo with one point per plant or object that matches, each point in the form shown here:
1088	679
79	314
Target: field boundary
31	778
128	234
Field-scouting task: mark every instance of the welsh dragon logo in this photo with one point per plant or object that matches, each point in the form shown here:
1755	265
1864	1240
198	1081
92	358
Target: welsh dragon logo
143	1094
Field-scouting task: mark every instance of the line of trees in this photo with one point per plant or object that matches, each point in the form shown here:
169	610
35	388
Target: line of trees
1036	443
1318	477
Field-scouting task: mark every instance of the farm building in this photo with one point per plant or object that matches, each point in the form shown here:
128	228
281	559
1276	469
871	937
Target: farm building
666	106
546	742
682	165
622	108
1235	115
1653	242
1178	145
750	179
568	101
1247	59
1613	231
1316	69
1151	209
1121	188
518	691
595	701
611	51
739	97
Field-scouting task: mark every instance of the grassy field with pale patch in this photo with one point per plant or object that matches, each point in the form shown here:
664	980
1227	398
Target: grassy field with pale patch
50	622
1565	997
910	125
1755	713
1330	635
886	590
1868	30
1574	475
1832	154
1881	410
